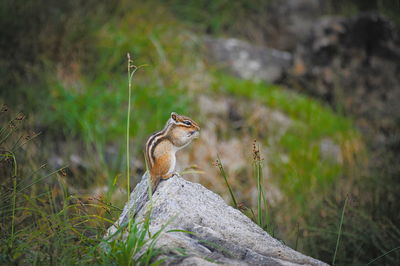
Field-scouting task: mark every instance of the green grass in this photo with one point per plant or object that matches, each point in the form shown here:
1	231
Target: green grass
93	106
225	176
96	112
131	244
261	215
39	221
43	223
304	171
51	226
246	19
219	16
339	232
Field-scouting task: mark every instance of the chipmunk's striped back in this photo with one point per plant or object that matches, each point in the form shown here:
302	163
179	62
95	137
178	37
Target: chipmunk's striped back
152	142
161	146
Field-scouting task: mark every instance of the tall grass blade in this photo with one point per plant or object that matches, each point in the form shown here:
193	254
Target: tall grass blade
383	255
13	209
224	175
340	231
128	124
259	194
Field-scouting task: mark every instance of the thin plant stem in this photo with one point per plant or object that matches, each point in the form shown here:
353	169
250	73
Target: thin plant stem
14	198
128	126
297	236
131	70
259	188
383	255
340	231
13	209
223	173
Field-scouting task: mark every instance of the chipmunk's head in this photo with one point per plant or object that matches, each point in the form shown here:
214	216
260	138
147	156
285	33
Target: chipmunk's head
183	129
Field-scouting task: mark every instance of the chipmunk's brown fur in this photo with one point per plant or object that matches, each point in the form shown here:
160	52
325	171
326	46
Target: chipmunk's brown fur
162	146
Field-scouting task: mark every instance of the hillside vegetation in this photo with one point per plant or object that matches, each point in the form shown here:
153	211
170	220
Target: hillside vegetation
67	73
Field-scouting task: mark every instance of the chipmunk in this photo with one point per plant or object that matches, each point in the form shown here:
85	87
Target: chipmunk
161	147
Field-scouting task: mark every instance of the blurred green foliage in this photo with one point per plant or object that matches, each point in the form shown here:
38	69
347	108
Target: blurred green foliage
247	18
93	106
303	172
36	32
218	16
389	8
64	62
43	223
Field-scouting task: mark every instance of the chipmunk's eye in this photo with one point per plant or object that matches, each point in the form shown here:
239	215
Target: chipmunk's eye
188	123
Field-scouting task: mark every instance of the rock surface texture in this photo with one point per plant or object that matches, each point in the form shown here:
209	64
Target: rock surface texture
353	63
220	233
288	22
247	61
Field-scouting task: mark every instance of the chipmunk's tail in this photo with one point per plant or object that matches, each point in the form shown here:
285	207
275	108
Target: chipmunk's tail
155	180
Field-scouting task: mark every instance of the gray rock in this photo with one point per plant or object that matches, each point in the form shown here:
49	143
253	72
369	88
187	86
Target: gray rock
353	63
330	151
289	22
248	61
220	233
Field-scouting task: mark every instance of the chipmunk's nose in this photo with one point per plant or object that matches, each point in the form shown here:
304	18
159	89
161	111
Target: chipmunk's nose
196	133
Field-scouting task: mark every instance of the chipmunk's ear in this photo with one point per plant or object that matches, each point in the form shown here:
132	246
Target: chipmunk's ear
174	116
